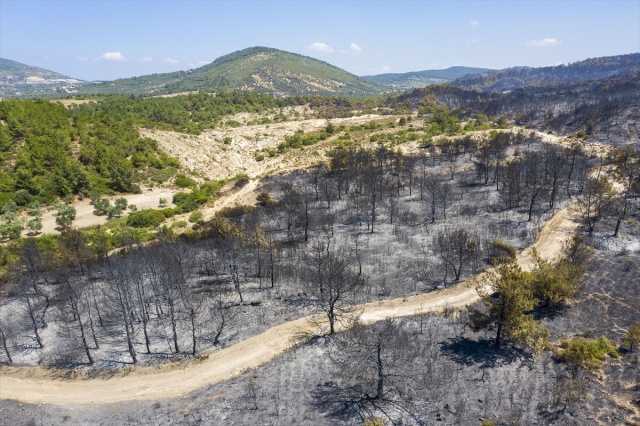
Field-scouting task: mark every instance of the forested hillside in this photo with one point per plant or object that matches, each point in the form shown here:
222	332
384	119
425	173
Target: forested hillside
50	151
255	69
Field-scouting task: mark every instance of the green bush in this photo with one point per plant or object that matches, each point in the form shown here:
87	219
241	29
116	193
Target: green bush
503	252
189	201
587	353
633	337
184	182
195	216
236	211
179	224
146	218
168	212
101	206
22	197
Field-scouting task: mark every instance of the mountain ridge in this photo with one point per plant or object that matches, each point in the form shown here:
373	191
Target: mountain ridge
279	73
417	79
520	77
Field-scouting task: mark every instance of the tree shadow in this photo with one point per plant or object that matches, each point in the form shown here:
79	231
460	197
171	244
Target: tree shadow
470	352
346	403
550	313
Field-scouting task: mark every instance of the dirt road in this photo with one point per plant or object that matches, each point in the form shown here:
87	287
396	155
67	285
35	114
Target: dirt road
41	385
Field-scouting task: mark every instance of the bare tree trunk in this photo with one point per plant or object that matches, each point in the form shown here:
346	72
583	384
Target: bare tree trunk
172	315
379	365
33	321
193	332
3	337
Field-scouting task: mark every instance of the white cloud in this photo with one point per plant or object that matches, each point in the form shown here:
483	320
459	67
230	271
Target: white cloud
474	23
321	47
471	40
386	69
355	48
170	61
112	56
81	58
146	59
545	42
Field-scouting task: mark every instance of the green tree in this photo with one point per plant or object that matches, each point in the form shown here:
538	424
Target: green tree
553	284
35	225
576	251
101	206
505	308
633	336
65	216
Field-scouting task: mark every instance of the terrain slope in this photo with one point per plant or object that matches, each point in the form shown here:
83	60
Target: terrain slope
255	69
40	385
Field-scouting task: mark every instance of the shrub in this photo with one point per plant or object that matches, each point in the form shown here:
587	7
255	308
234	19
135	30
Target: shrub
503	252
179	224
374	421
101	206
146	218
65	216
195	216
189	201
184	182
236	211
22	197
633	337
587	353
11	231
168	213
241	180
264	199
233	123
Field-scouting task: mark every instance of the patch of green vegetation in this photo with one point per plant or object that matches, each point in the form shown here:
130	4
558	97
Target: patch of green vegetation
146	218
195	216
48	151
234	212
189	201
184	182
587	353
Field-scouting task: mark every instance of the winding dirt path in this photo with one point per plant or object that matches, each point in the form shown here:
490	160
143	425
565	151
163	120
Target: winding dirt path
40	385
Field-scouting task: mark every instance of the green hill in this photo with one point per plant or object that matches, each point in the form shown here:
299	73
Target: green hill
256	69
416	79
20	79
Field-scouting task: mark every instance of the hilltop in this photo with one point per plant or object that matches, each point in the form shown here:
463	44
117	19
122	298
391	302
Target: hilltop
256	69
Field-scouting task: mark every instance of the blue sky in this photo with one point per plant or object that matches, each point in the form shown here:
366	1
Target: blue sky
100	40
